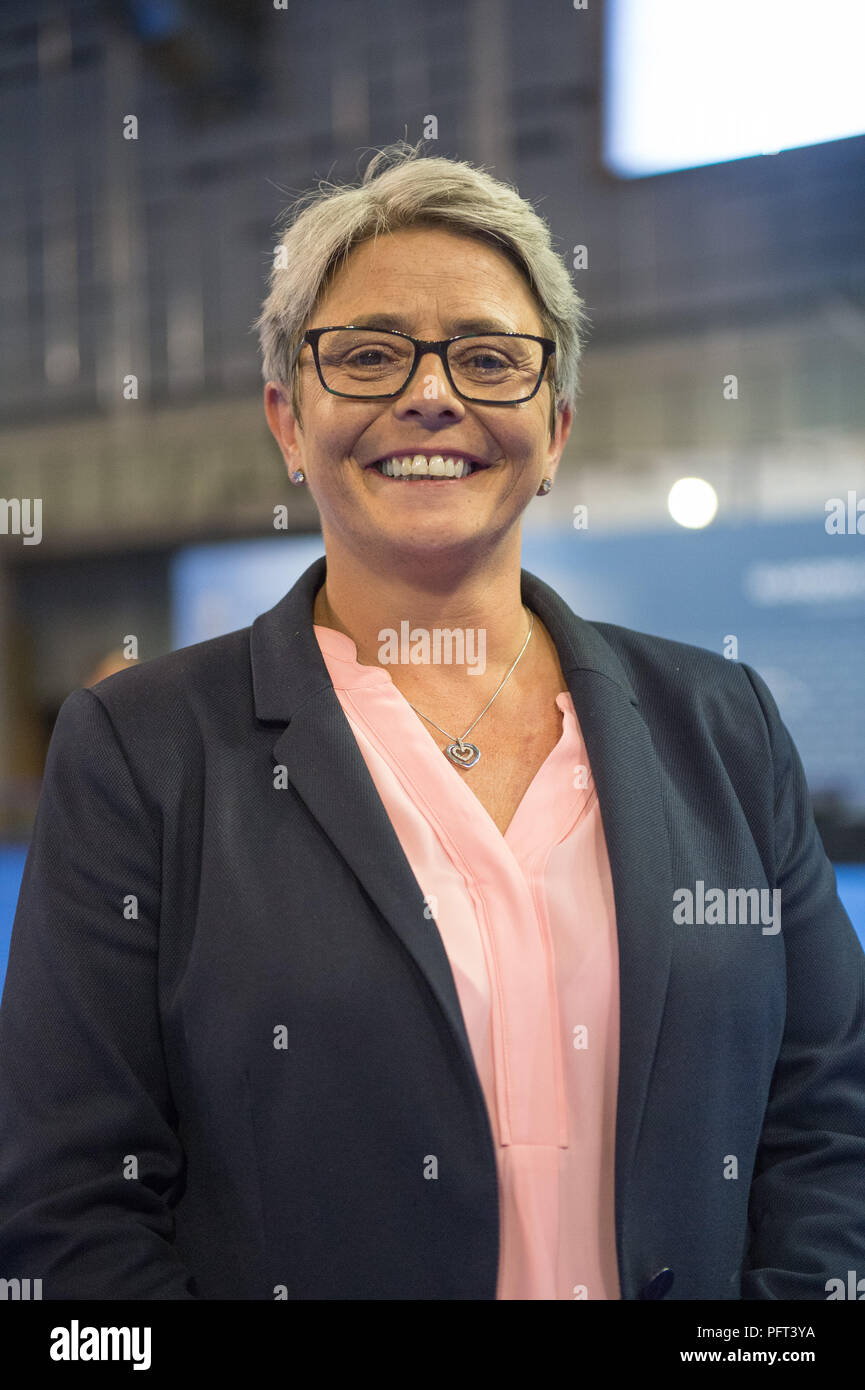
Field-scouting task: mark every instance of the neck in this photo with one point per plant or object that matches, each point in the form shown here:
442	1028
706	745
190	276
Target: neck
483	604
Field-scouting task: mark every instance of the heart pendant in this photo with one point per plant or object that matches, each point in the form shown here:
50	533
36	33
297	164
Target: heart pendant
465	757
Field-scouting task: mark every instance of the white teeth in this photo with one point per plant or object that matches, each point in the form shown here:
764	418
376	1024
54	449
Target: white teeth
418	466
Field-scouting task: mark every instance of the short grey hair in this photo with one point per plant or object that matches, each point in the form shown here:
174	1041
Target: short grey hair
401	187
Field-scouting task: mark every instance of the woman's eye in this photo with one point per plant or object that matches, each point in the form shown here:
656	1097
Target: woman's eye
487	361
369	357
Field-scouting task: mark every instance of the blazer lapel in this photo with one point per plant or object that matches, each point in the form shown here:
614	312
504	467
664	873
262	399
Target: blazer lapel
626	771
292	688
323	762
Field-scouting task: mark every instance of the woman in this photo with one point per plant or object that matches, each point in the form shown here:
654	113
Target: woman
353	957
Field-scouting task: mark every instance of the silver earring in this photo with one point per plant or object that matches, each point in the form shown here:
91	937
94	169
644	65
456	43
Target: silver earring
298	476
546	484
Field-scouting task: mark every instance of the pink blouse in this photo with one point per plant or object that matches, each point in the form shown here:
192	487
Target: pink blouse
529	926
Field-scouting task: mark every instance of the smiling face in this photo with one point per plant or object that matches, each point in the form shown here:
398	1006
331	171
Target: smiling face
431	283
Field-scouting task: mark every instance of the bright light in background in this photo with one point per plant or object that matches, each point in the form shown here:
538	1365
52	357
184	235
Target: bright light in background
692	502
688	83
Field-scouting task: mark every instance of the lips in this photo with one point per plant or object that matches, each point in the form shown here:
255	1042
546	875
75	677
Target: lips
433	466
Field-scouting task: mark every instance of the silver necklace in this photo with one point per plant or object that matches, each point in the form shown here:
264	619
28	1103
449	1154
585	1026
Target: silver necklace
464	754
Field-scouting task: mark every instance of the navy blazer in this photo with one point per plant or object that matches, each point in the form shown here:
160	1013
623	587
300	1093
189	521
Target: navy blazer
230	1037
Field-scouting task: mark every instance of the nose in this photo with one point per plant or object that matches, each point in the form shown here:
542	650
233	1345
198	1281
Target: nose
429	395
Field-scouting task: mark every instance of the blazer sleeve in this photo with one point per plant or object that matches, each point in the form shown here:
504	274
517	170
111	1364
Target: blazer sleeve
807	1198
90	1161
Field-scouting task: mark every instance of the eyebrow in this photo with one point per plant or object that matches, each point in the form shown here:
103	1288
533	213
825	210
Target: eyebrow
400	324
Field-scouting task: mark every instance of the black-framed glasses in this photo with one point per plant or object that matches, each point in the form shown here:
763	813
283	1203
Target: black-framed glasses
377	364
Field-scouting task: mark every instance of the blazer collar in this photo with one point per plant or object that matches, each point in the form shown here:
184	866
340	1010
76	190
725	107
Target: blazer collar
288	667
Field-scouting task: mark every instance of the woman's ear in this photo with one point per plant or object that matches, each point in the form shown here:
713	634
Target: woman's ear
560	428
283	421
